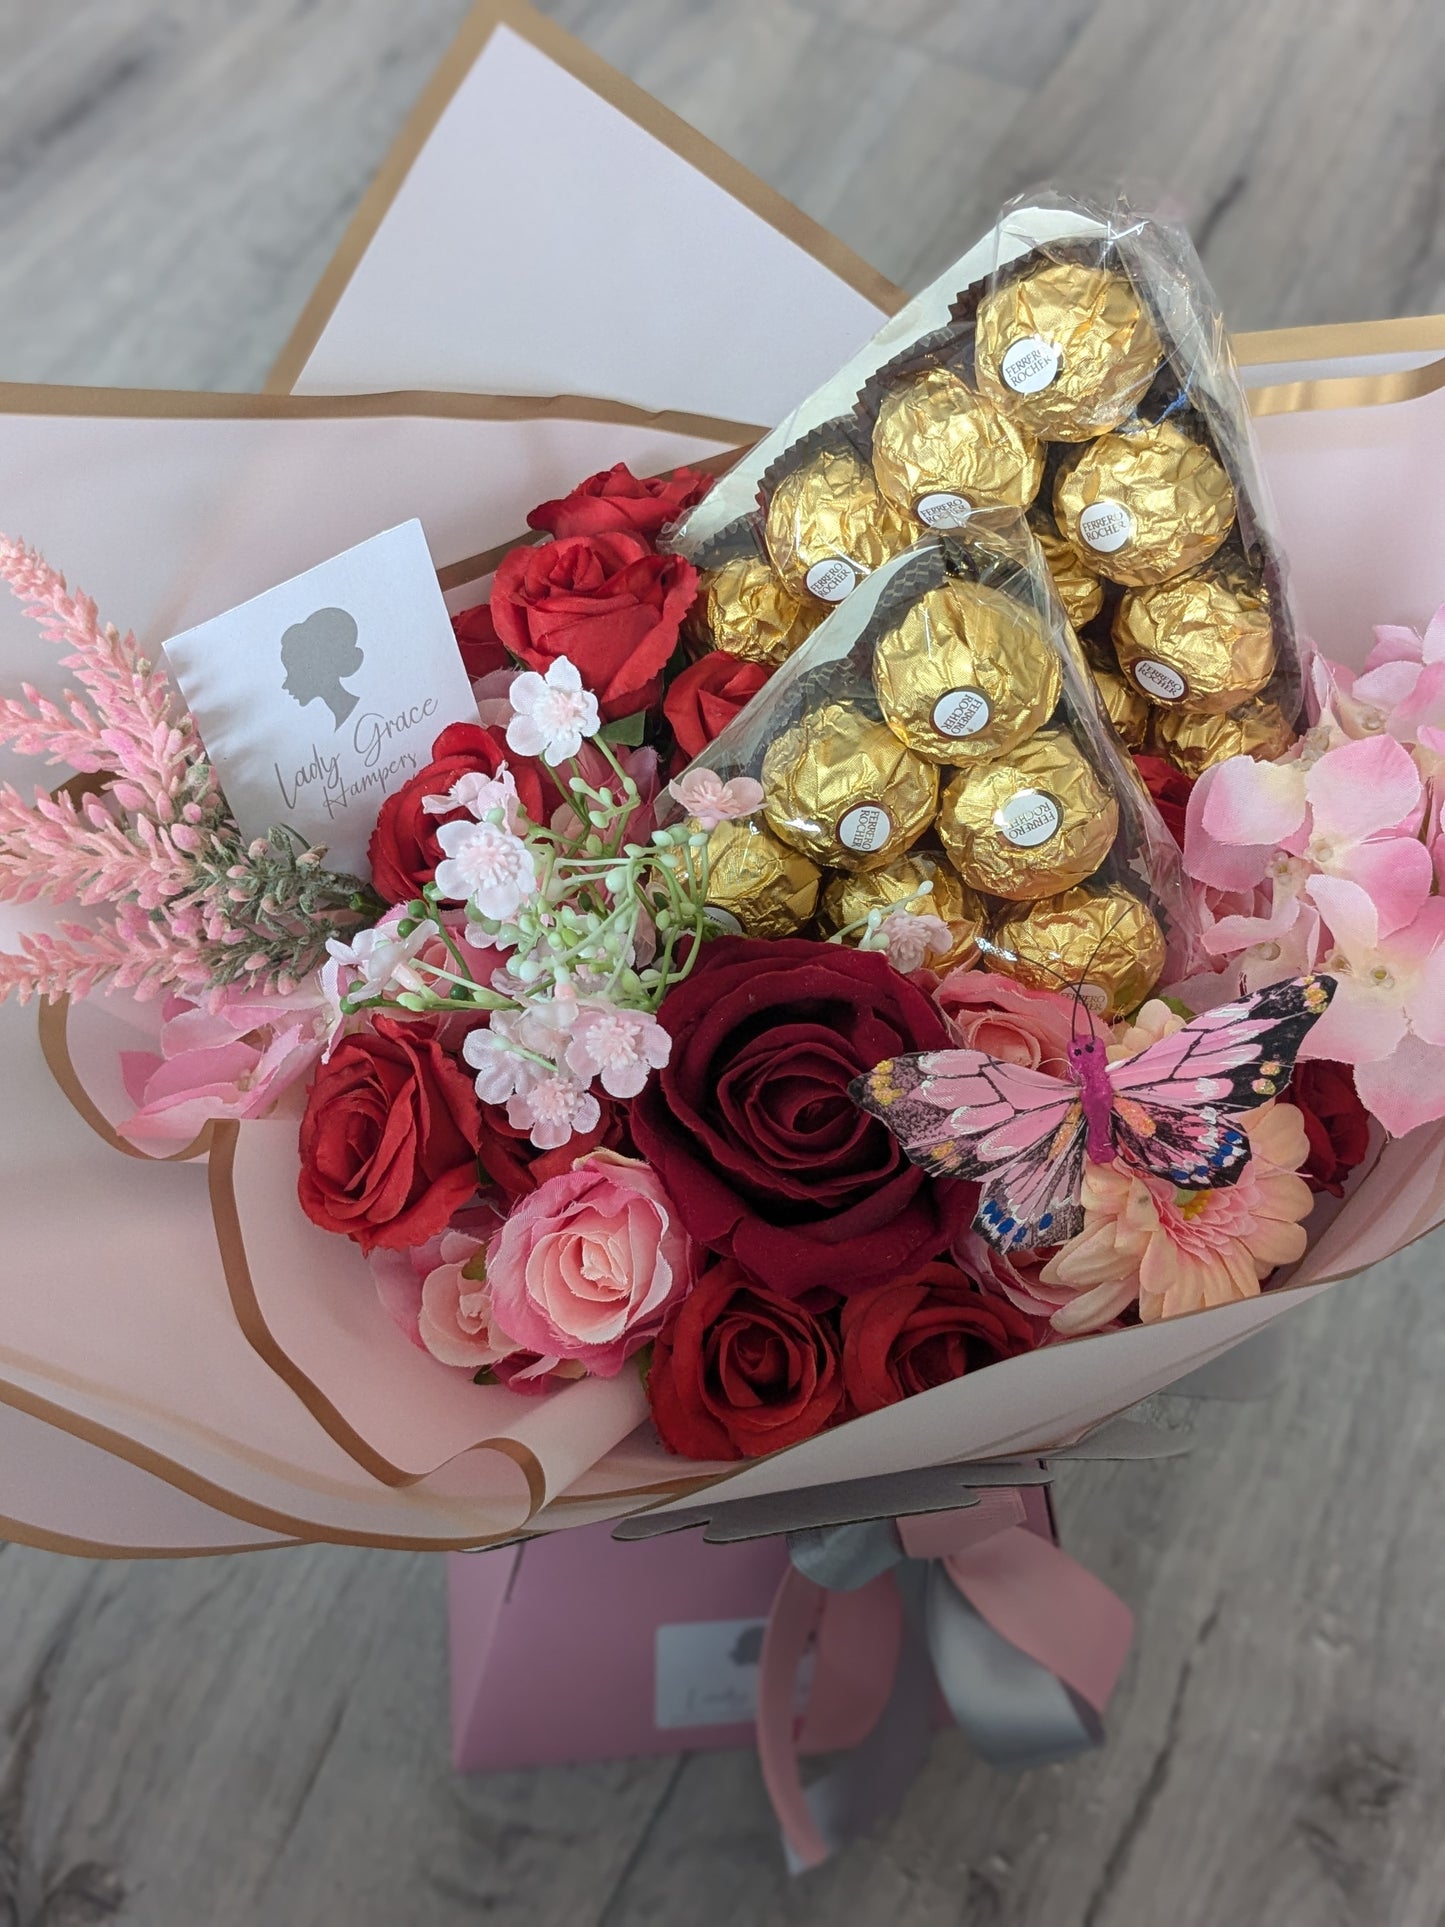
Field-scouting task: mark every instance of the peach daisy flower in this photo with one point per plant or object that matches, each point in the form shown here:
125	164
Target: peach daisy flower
1178	1251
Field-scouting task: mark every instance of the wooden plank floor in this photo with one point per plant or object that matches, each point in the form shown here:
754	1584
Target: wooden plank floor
260	1742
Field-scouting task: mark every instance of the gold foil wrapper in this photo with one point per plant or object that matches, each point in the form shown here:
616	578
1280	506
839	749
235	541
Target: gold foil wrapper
1034	822
1068	351
828	526
1145	504
843	789
1127	709
1202	642
967	674
1105	940
941	450
757	886
744	610
1078	588
848	899
1194	743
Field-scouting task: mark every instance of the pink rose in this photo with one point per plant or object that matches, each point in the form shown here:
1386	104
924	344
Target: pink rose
585	1267
454	1320
1008	1021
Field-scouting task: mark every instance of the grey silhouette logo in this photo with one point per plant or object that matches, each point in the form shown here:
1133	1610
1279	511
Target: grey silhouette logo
317	654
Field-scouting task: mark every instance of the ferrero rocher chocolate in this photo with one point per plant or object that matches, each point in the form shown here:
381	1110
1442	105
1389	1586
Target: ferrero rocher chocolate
1102	939
1067	351
1145	504
941	450
1201	642
967	673
743	609
828	526
1031	823
1079	589
843	789
1194	743
1127	709
757	886
848	899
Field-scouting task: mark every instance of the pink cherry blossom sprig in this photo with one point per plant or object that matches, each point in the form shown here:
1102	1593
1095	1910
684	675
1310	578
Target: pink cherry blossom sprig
179	899
565	937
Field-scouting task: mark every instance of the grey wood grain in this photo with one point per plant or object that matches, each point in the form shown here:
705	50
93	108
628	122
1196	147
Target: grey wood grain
261	1742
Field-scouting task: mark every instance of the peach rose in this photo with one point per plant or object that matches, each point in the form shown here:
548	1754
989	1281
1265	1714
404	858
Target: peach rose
1011	1022
454	1321
585	1267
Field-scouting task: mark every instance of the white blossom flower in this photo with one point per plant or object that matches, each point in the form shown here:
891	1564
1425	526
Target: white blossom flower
552	1110
502	1070
704	795
479	793
373	962
622	1047
912	940
485	866
552	713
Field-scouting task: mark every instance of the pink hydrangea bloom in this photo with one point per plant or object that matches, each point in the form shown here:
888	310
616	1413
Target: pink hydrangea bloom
233	1059
485	866
552	715
622	1047
911	940
552	1109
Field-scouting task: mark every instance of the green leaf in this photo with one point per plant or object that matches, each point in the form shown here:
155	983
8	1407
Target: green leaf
627	730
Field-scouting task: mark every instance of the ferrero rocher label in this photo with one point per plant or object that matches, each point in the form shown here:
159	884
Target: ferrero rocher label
1078	588
1103	939
849	899
1194	742
966	674
1145	504
757	886
744	610
1031	823
842	789
1066	351
1203	642
1127	709
941	450
827	525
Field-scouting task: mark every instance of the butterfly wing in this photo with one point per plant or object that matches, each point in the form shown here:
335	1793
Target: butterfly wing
1034	1200
962	1113
1172	1102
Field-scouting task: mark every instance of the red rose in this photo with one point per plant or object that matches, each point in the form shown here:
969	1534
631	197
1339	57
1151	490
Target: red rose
604	601
705	698
509	1158
751	1128
1170	789
615	498
1336	1123
738	1371
404	851
389	1139
925	1330
482	648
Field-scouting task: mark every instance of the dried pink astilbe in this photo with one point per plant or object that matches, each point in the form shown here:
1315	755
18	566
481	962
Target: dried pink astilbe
186	903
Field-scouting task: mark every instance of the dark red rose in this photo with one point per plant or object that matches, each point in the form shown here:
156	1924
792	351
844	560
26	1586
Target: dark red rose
604	601
751	1129
924	1330
1336	1123
482	648
509	1158
738	1371
1170	789
615	498
404	851
705	698
389	1140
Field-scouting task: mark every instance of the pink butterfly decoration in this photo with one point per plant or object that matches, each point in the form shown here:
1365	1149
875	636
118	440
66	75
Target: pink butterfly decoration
1024	1135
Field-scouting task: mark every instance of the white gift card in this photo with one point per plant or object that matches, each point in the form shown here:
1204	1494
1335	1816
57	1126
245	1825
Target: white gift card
319	698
